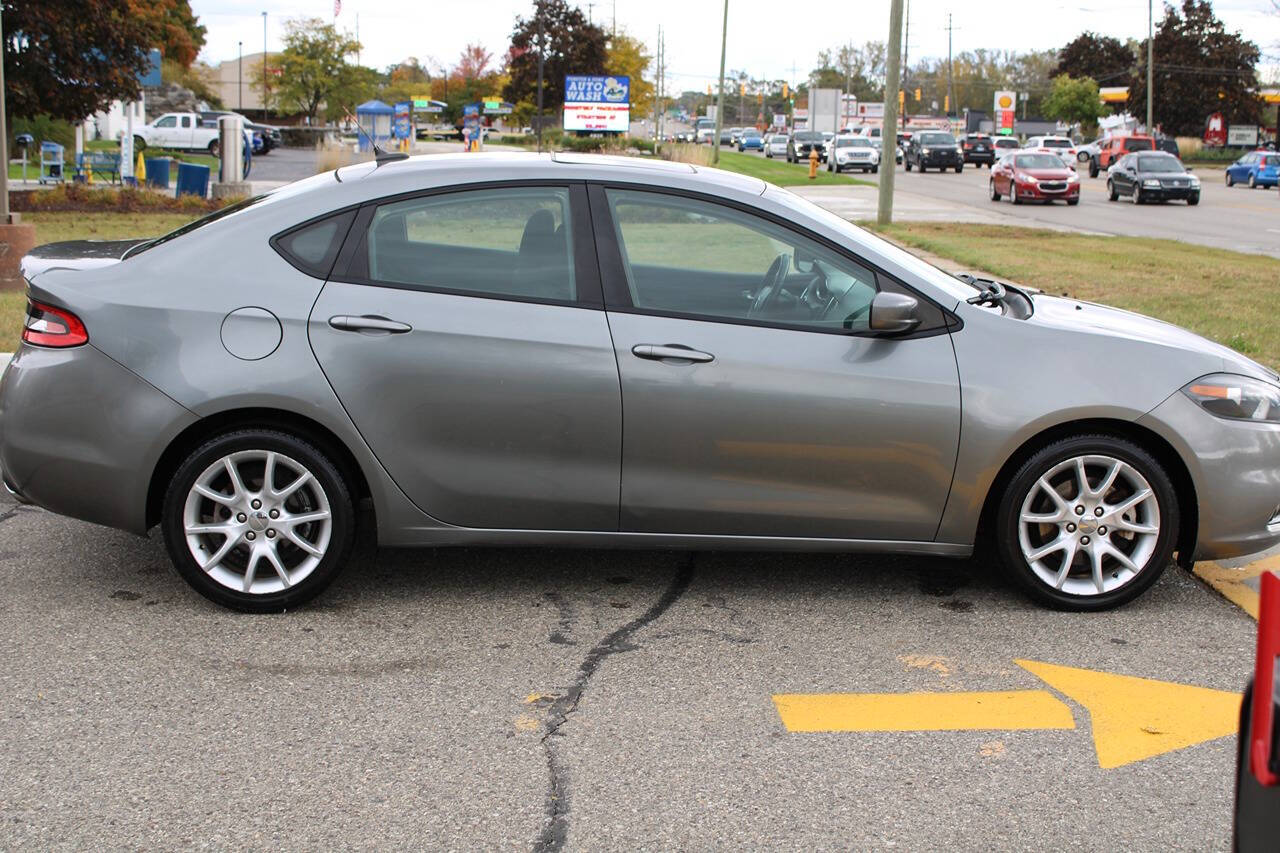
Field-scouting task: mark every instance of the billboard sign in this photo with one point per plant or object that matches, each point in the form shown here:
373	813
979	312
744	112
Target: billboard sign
1242	134
400	126
597	103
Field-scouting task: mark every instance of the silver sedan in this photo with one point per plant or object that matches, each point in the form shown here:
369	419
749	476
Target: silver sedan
503	349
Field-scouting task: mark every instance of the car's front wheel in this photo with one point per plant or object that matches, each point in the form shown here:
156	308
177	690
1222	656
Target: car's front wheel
258	520
1253	182
1112	195
991	187
1088	523
1227	179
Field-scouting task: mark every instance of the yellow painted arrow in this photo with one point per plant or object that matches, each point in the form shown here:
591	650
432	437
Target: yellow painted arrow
1132	718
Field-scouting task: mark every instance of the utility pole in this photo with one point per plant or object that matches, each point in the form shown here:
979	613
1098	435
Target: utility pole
657	85
892	79
542	50
264	67
724	43
1151	45
951	88
906	48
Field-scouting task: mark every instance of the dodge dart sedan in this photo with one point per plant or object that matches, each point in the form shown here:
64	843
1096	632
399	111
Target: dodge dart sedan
514	349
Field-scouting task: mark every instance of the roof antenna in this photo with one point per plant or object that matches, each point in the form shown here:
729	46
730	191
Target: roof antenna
379	156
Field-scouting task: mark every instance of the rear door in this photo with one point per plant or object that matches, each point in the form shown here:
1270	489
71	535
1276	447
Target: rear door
756	403
464	334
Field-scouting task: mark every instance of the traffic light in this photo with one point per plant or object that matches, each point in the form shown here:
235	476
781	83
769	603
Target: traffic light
785	91
917	94
946	104
902	99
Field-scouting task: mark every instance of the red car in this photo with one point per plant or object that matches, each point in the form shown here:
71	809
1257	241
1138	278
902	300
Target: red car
1034	177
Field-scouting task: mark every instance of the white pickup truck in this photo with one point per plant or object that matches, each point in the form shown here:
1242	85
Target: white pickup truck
179	131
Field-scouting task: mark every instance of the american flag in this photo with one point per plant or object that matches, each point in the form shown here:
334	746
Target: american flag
337	7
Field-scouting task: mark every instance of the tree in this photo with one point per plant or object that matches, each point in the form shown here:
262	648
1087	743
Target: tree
71	58
178	32
1074	100
572	46
1200	69
474	62
626	57
1107	60
314	71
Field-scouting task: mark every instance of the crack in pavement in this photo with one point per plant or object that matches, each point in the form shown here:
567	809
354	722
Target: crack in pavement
555	830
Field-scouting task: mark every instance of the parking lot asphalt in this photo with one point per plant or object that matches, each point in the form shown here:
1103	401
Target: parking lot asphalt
548	699
1236	218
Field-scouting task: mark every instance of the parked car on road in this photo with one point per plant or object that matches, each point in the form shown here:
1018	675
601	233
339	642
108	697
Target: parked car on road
1152	176
1034	176
853	152
178	131
933	149
750	139
496	349
979	148
801	143
775	145
1117	147
1257	169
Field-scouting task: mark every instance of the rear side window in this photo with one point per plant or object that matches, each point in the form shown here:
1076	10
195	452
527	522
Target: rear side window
313	247
1138	145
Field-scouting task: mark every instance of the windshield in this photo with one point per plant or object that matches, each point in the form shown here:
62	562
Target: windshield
1038	161
706	123
1156	163
937	139
1134	144
853	142
1006	142
751	132
807	136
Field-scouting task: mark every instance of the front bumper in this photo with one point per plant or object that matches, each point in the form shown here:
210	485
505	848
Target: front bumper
1170	193
1235	468
1037	192
952	158
80	435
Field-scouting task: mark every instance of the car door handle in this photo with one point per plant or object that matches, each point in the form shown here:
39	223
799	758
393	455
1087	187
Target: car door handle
369	323
663	352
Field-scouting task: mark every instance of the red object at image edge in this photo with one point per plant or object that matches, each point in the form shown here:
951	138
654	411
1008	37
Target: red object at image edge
1263	729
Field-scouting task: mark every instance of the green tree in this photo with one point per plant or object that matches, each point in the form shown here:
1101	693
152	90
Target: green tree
314	71
1107	60
1074	100
572	45
626	57
1200	69
70	58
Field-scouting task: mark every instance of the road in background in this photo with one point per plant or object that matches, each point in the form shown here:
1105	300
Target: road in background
486	698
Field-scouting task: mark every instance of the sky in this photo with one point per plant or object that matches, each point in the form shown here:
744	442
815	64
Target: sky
763	40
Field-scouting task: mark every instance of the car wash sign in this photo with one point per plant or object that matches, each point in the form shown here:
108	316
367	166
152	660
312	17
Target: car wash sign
597	103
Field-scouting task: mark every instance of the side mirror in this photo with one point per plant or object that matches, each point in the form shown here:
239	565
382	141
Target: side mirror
893	313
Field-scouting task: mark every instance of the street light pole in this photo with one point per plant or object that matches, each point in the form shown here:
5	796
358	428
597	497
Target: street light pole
889	135
537	10
1150	60
264	66
724	42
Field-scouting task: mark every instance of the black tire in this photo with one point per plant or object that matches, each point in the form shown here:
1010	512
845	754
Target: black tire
1112	195
991	187
1193	200
1013	194
959	168
1138	197
908	165
1073	201
139	144
326	476
875	169
1007	521
1228	180
1093	167
1253	182
214	148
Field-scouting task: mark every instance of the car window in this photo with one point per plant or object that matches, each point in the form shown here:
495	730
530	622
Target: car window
1159	163
1270	160
512	242
1037	161
168	121
707	260
1133	144
936	139
313	248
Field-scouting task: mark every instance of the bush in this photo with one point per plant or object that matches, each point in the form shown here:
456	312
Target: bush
78	197
43	129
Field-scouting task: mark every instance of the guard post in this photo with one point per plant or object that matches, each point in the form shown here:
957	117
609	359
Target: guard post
231	163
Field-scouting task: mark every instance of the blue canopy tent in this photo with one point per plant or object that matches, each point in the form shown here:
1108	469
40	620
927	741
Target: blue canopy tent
375	118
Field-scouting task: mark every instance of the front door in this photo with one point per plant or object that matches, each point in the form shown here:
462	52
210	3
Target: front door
468	344
756	401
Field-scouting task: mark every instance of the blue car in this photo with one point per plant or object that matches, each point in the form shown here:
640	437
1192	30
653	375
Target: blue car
1257	169
751	139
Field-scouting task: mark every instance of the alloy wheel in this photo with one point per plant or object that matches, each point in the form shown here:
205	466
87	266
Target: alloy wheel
1089	525
257	521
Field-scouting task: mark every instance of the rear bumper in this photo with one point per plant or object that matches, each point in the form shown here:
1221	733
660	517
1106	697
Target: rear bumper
979	157
80	435
1235	468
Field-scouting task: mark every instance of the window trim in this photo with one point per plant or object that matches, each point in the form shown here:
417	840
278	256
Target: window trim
352	262
316	272
617	294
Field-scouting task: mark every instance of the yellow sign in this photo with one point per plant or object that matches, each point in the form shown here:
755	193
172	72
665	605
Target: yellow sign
1005	102
1132	718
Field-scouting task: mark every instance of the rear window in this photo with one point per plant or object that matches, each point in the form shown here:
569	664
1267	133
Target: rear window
1057	143
1006	142
1271	160
1135	144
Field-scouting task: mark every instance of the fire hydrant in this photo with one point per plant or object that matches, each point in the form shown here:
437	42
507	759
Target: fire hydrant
813	162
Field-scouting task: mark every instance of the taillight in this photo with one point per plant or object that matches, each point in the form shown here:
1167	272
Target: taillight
47	326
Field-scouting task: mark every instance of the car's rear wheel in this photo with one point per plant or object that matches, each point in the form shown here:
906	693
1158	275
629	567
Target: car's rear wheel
1093	167
258	520
908	165
139	144
215	149
1088	523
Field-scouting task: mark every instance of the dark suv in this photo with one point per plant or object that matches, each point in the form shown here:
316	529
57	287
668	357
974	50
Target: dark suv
979	148
801	143
934	149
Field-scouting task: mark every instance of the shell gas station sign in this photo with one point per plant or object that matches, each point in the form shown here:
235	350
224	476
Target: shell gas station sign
1004	106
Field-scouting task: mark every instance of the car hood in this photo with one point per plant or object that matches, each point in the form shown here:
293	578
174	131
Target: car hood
75	255
1091	317
1048	174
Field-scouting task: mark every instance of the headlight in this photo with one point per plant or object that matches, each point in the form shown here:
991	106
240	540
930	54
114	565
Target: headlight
1195	182
1027	179
1151	182
926	150
1073	178
1238	397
